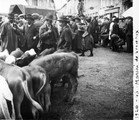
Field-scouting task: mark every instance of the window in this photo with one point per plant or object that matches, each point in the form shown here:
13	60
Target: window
35	2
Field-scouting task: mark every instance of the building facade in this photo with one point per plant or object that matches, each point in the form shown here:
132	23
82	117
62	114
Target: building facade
70	8
112	8
49	4
92	8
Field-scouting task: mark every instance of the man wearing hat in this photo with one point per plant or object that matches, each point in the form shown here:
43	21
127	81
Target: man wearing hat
95	31
22	18
80	32
129	34
77	20
38	23
80	7
104	32
30	34
48	34
65	41
16	18
74	30
8	34
114	33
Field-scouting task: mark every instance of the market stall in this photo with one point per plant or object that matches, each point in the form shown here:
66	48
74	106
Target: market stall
24	9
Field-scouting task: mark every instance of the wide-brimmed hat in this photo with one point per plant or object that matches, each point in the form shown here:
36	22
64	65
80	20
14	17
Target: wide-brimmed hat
63	19
11	15
29	16
35	15
21	15
49	17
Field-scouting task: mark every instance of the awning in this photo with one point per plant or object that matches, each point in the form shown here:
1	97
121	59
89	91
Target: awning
128	12
5	5
112	10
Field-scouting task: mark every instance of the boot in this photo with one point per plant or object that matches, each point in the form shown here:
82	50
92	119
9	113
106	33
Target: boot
91	53
82	54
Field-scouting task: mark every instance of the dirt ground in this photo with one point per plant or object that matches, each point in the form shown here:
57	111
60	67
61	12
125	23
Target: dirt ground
105	90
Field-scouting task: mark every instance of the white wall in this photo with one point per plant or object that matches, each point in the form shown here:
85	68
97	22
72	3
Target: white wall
96	4
70	8
42	3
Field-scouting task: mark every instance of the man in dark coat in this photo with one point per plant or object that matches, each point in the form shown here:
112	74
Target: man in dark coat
65	41
30	34
129	34
94	23
74	30
115	31
8	34
38	23
80	7
105	32
48	34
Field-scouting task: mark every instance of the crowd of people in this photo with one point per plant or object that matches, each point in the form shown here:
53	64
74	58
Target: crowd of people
117	32
113	33
67	33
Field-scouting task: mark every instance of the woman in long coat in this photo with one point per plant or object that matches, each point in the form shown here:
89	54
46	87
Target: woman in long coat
87	40
80	32
129	35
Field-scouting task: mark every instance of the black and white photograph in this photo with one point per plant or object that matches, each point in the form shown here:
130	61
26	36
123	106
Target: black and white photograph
69	60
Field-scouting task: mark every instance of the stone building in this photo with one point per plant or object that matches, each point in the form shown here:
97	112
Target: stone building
49	4
111	8
92	8
70	8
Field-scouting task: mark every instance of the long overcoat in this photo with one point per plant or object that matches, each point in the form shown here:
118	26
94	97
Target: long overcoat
88	40
48	38
65	41
9	37
29	33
